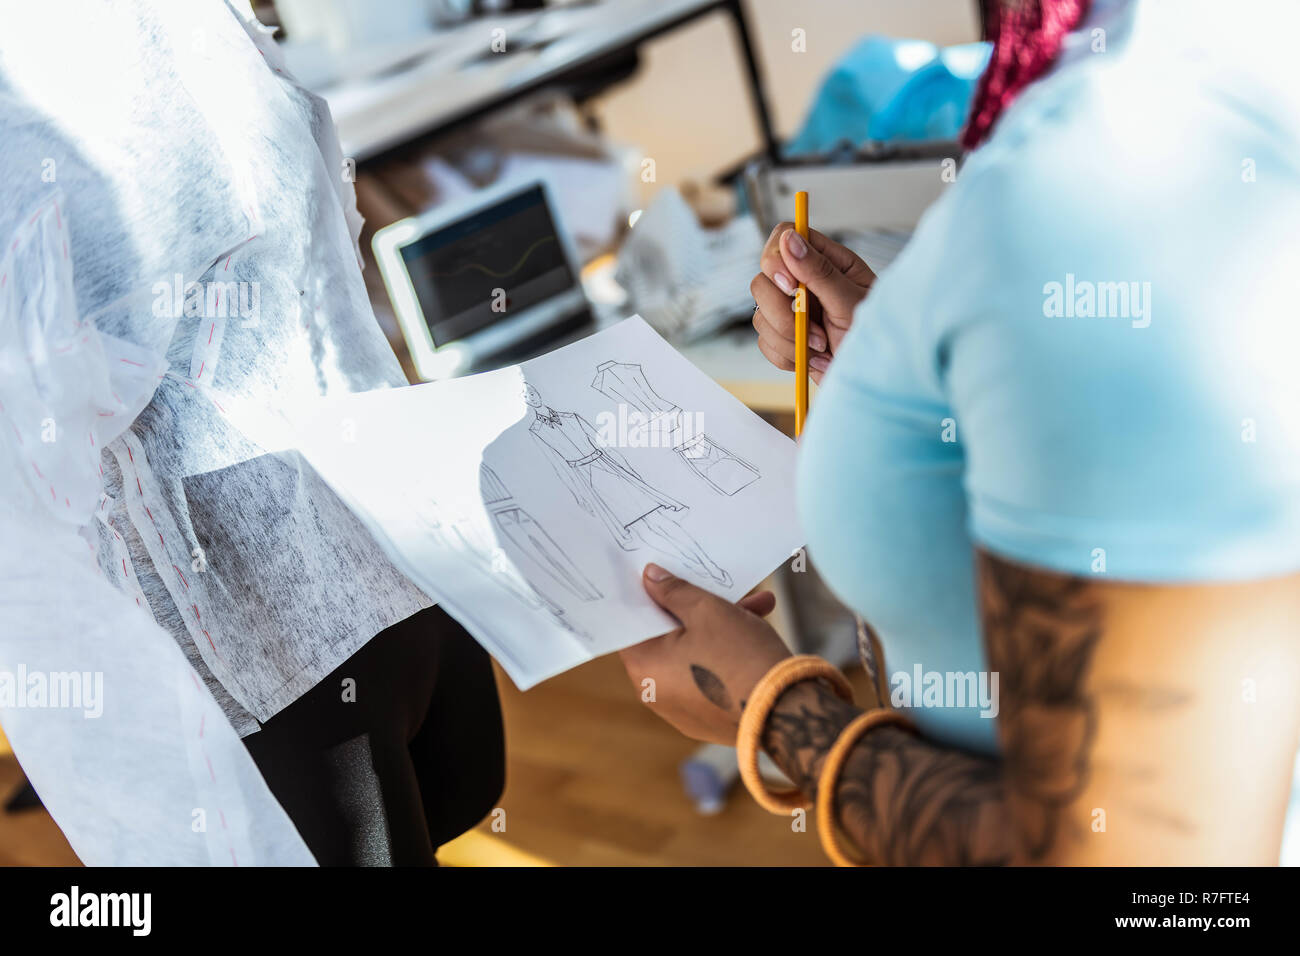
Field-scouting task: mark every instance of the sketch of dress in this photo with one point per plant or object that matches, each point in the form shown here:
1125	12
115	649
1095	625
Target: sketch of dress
626	384
725	472
607	487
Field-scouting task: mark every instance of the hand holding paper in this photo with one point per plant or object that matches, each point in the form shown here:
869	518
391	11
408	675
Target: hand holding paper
526	501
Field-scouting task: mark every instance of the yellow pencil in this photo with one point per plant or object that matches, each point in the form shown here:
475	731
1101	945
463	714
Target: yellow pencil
800	324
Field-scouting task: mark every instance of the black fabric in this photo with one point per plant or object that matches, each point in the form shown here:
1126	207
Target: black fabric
397	751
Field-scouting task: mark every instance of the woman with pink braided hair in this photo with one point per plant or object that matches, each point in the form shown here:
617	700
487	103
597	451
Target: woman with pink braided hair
1054	465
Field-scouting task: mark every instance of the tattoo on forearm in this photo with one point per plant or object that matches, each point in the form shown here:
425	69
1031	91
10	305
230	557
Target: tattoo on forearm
904	800
802	728
711	686
1041	631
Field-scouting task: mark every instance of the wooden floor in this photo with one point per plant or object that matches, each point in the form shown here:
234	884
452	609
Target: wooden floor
29	837
592	781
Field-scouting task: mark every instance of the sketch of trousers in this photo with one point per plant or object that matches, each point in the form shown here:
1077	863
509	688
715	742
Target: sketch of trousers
532	540
461	535
725	473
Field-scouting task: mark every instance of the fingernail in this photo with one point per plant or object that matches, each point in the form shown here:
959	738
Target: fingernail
656	573
783	283
820	362
798	248
816	341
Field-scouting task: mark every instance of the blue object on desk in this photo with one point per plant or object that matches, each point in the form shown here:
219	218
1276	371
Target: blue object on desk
893	91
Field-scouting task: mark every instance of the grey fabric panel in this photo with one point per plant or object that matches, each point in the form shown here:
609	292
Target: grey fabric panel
287	559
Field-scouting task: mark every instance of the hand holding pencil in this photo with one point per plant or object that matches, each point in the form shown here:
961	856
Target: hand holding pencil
836	280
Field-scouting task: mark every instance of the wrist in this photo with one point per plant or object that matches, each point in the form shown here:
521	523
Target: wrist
803	725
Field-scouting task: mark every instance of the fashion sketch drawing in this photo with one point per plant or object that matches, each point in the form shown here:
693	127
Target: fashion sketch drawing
478	543
605	486
626	384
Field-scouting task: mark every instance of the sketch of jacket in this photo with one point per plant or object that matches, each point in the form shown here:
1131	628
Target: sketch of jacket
627	384
601	480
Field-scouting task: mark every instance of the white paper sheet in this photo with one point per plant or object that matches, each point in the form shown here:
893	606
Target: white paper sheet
527	500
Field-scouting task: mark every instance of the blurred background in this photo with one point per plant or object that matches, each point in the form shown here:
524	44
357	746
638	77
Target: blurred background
582	161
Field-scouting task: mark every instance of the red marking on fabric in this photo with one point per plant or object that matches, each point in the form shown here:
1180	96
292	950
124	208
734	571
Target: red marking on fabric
130	454
34	215
209	637
137	602
233	860
227	269
211	773
203	719
213	329
38	472
68	503
223	818
124	570
160	540
181	576
53	496
92	439
150	514
200	618
129	362
201	364
3	280
137	486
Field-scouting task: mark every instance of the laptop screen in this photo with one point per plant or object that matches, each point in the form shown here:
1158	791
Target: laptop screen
488	267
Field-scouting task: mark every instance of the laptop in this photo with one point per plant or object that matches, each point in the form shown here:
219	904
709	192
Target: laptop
484	281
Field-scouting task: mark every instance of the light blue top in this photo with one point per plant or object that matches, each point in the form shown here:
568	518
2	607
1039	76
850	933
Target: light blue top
1153	439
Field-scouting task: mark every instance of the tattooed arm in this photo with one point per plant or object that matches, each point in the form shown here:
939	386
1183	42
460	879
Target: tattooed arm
1138	724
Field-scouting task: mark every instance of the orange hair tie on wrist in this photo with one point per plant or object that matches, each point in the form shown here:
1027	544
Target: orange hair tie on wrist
758	708
836	758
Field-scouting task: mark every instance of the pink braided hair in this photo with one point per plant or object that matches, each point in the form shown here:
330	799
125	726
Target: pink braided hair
1027	37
